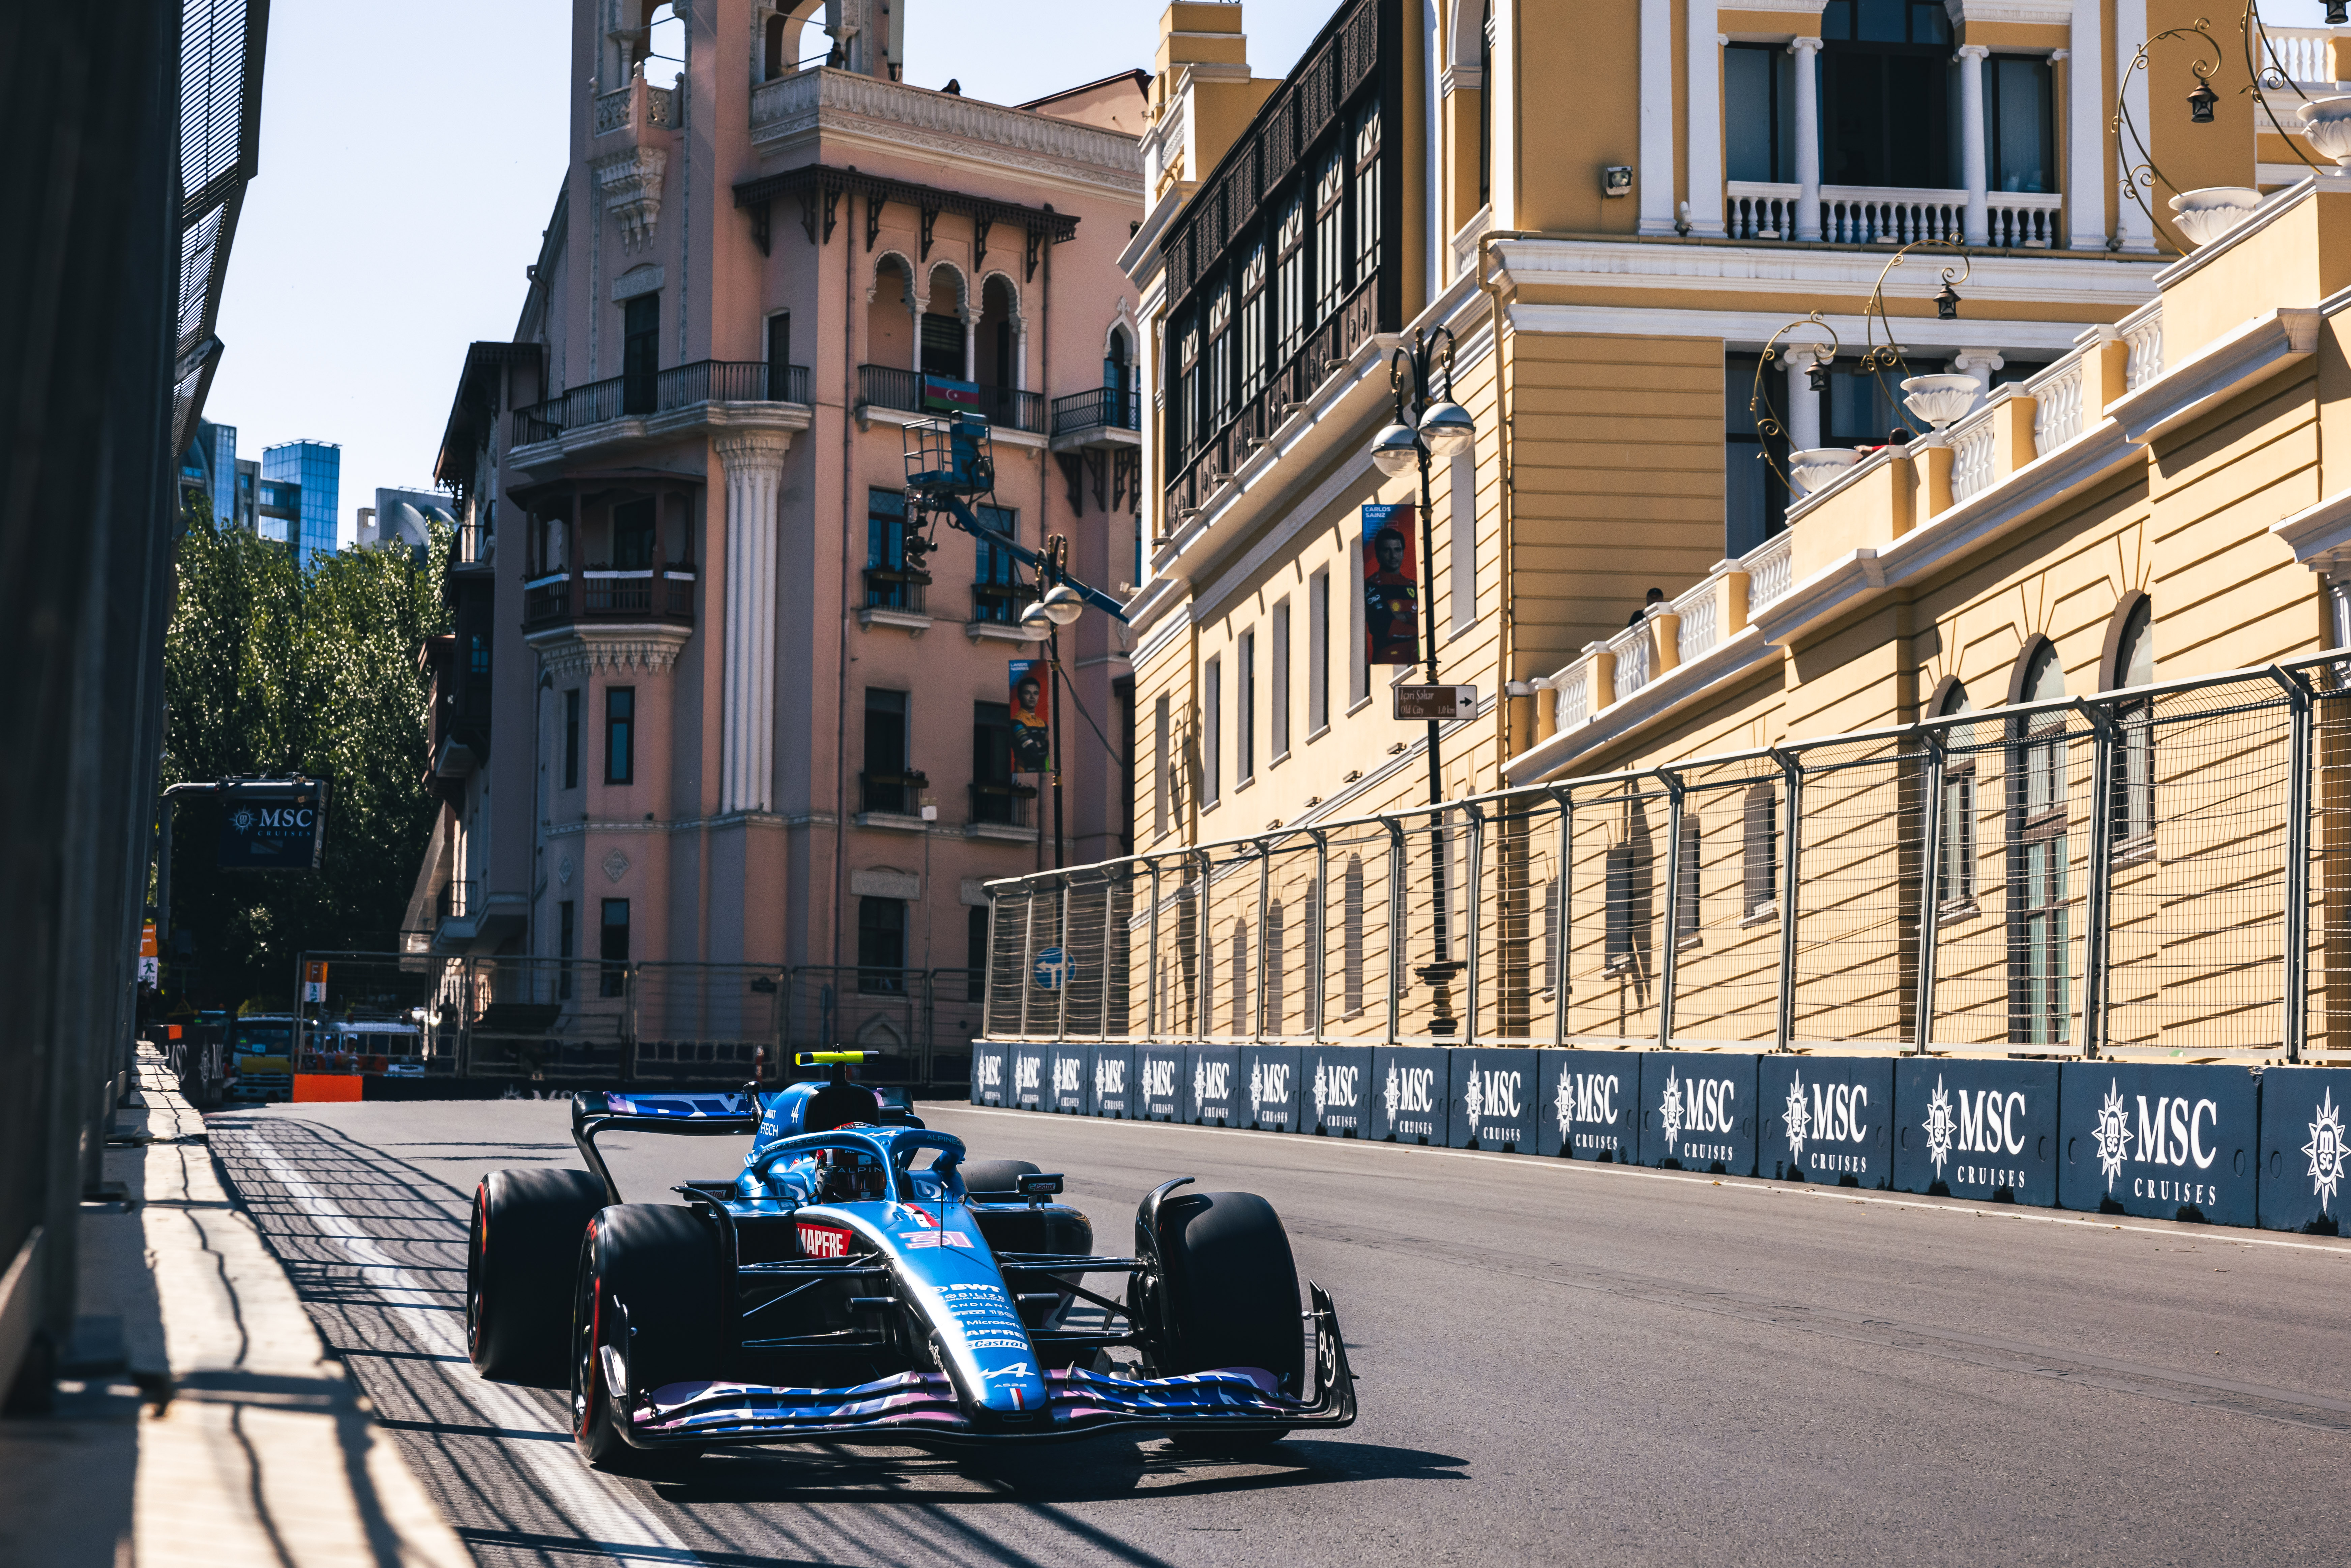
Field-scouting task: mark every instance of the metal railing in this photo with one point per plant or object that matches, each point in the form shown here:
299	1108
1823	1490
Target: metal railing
885	386
1002	805
895	794
2156	871
588	1020
894	587
663	593
1099	408
680	386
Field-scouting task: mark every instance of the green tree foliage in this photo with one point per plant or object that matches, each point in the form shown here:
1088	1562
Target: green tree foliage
270	670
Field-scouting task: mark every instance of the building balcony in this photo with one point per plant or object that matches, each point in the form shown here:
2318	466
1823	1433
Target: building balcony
885	387
896	597
1103	417
643	596
1890	216
896	794
622	412
1001	811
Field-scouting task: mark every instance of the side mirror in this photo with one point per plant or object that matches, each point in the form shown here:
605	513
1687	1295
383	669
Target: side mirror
1038	1185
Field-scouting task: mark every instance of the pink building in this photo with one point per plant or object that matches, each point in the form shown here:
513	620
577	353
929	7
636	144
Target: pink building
724	721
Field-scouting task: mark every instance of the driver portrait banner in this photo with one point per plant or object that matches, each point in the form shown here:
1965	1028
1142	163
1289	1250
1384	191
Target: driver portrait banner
1390	586
1033	735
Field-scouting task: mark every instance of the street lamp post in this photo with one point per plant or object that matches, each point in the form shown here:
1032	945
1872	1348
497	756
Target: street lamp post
1443	430
1057	607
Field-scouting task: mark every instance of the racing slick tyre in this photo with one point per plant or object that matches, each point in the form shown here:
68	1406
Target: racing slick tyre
1226	1296
985	1179
518	1261
649	1286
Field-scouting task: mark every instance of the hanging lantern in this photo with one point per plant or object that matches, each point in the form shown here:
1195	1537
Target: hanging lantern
2202	101
1817	378
2338	13
1946	303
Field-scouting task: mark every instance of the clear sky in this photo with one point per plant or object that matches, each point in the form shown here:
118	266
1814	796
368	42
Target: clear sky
410	157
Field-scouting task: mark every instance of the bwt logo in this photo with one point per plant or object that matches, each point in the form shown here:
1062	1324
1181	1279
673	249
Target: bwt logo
991	1071
1069	1074
1110	1076
1586	1097
1026	1071
1159	1078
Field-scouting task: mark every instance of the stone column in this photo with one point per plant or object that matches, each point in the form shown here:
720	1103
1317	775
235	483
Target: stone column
1978	226
754	460
1808	137
2132	224
1803	403
1704	137
1653	181
2087	108
1979	364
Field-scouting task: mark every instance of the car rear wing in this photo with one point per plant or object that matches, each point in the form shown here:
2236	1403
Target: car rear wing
707	1115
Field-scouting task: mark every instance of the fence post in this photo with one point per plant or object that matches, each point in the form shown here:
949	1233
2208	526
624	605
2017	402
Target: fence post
1673	932
2297	870
1203	1012
1559	884
1792	773
2099	902
1264	892
1028	945
1318	951
1473	885
1150	968
1069	964
630	976
1396	921
1930	892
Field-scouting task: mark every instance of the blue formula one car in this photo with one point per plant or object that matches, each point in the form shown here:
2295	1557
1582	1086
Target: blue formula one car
860	1280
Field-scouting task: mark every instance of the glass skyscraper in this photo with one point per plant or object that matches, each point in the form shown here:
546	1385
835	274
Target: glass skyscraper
318	467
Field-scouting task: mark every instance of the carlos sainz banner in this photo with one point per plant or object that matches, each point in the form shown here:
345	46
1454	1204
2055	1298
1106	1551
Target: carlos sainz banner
1390	586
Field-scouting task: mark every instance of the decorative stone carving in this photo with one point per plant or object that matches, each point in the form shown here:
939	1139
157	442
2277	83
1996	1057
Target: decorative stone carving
942	123
644	278
630	183
563	870
578	650
884	881
616	865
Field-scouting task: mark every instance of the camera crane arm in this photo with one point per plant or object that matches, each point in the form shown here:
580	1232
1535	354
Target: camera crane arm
963	518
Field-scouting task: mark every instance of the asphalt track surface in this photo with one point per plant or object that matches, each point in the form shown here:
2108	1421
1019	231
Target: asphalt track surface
1558	1362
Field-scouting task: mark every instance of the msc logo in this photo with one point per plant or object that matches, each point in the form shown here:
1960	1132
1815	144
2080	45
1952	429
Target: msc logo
1987	1123
1492	1096
1833	1115
1159	1078
1336	1087
1211	1080
279	819
1069	1074
1410	1089
1025	1072
2172	1135
991	1072
1696	1105
1586	1097
1110	1076
1268	1083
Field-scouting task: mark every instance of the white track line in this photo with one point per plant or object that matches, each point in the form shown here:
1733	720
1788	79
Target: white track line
604	1515
1915	1202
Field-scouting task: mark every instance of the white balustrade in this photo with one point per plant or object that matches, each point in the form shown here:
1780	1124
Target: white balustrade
1571	696
2023	220
1759	209
1866	214
612	111
1771	569
1630	647
2299	54
2143	330
1699	619
1971	455
2057	394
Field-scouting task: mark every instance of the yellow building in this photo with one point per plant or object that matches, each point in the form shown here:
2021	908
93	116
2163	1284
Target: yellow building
1683	256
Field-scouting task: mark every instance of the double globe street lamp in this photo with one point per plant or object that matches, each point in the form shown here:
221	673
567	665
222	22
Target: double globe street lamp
1444	430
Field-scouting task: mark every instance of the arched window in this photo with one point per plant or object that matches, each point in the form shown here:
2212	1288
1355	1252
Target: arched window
1240	1018
890	318
1955	868
773	63
2040	955
1272	1022
2130	786
1351	995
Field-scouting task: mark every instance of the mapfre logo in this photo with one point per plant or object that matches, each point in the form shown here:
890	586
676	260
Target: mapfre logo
1110	1076
1159	1078
824	1241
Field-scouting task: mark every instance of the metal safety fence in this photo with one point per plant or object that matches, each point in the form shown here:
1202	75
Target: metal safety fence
590	1021
2156	871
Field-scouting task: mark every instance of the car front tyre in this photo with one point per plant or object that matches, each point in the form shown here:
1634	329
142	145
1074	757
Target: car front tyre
519	1253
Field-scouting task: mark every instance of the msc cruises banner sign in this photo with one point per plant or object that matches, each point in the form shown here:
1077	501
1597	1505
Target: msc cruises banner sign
2306	1166
1270	1075
988	1073
1334	1090
1160	1074
1113	1074
1208	1098
1827	1119
1068	1093
1984	1130
1698	1111
1494	1100
264	828
2154	1141
1587	1100
1411	1093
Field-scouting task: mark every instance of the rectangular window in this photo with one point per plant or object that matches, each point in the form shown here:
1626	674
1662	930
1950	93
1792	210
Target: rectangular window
640	352
997	592
1254	365
779	357
1760	870
1955	865
1759	105
1461	500
1359	669
632	536
1212	706
943	347
1619	936
1330	236
1755	502
1318	652
1367	194
619	734
1686	881
881	945
888	583
1279	740
1244	730
2019	154
567	947
1350	996
2132	792
994	796
572	738
1290	272
1163	762
612	948
1885	97
888	787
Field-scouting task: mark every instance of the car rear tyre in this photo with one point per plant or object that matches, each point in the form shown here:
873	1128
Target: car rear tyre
648	1284
519	1259
1225	1295
993	1179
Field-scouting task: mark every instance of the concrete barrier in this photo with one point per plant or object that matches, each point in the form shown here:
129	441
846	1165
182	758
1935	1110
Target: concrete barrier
1984	1130
2163	1141
1068	1069
1698	1111
1412	1095
1495	1099
1027	1071
990	1073
1826	1119
1267	1095
1111	1082
1209	1093
1589	1105
1335	1089
2305	1150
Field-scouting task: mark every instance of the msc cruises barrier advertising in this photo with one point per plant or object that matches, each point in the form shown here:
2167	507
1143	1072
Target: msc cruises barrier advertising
1588	1101
1698	1111
1984	1130
1270	1075
1334	1090
1411	1093
2305	1148
1827	1119
1493	1101
2168	1143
